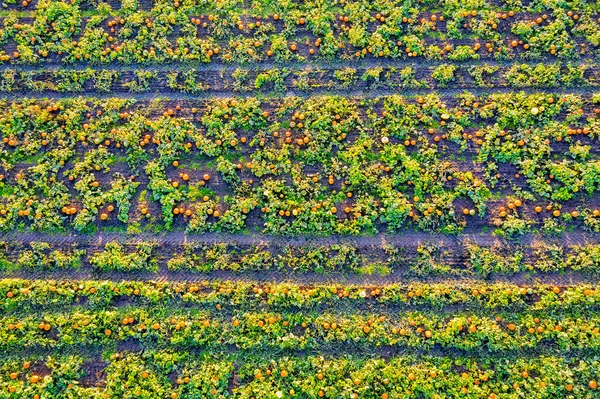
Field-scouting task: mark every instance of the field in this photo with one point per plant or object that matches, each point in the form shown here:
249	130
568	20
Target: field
302	199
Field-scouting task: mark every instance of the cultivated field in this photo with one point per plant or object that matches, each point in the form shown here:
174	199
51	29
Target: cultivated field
259	199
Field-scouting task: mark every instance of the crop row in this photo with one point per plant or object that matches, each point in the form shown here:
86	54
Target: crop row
288	30
170	374
279	80
226	328
319	165
30	296
229	160
424	260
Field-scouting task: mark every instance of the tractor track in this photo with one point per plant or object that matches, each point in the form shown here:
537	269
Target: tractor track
406	239
87	274
361	93
51	66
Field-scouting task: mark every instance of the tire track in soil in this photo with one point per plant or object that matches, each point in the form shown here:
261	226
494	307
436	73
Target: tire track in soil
360	93
406	239
256	66
521	279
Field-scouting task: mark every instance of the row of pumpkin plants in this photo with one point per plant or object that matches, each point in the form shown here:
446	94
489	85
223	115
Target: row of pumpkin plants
279	81
227	327
289	30
25	296
424	260
164	374
320	165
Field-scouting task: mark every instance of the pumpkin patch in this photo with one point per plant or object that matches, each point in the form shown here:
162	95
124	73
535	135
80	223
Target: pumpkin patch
338	199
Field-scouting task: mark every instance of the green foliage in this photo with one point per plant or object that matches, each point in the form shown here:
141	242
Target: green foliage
443	74
114	258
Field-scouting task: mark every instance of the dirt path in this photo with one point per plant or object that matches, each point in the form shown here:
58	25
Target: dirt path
405	239
559	279
50	66
362	93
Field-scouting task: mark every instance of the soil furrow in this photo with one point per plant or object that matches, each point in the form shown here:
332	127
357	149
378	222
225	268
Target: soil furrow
406	239
317	64
446	92
562	279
